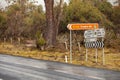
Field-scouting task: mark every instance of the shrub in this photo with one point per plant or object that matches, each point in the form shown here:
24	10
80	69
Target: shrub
40	41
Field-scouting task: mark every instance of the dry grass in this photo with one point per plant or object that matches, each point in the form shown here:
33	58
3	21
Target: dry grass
112	58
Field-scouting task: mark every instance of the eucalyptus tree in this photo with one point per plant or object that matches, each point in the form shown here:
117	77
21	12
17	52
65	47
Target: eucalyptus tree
52	22
24	18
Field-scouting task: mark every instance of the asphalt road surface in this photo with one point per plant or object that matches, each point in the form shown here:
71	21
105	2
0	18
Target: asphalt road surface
18	68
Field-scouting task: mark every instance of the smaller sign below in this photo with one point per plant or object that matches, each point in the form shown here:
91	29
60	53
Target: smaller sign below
90	39
94	33
96	44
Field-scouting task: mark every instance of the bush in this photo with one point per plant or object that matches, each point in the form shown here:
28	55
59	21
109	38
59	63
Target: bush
40	41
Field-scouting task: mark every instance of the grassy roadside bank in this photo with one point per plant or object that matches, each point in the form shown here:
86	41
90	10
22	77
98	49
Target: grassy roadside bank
112	57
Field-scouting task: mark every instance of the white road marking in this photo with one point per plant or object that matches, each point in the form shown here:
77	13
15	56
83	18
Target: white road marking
81	75
20	62
12	69
63	71
25	73
96	77
37	76
1	79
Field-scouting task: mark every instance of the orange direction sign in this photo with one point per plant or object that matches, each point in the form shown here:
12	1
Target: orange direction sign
83	26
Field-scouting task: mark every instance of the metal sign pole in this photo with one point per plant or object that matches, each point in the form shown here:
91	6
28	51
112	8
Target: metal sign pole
79	46
96	54
103	54
86	55
70	46
103	57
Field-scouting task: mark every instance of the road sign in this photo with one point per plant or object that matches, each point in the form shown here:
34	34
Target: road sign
89	34
94	33
100	32
83	26
96	44
90	39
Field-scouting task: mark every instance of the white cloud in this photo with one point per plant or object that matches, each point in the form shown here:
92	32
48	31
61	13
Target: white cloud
3	3
113	2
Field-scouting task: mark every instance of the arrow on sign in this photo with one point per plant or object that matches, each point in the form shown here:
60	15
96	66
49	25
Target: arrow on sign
96	44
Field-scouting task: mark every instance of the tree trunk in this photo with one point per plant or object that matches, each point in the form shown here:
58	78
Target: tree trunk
50	30
59	16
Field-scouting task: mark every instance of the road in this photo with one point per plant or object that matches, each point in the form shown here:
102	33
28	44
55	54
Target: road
19	68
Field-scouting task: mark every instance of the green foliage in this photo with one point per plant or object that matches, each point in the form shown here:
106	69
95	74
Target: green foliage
28	21
12	9
38	15
83	12
116	15
25	17
38	35
79	11
3	19
116	20
40	40
3	22
106	8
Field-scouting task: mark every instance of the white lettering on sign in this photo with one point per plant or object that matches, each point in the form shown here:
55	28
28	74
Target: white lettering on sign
89	34
94	33
83	26
100	32
90	39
